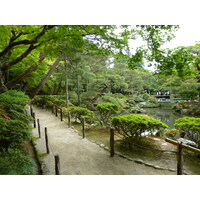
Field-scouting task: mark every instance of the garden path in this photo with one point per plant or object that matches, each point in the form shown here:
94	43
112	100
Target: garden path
80	156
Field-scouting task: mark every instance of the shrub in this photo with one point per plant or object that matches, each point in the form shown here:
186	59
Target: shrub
152	99
14	162
145	96
13	133
189	128
106	111
172	133
79	112
132	126
109	99
14	97
13	103
138	99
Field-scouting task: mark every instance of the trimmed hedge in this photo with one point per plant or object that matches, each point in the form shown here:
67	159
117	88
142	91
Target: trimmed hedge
134	125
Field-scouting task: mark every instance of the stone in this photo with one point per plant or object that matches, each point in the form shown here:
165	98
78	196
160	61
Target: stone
102	145
139	161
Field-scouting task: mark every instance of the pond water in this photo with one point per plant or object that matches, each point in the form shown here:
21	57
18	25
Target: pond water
165	115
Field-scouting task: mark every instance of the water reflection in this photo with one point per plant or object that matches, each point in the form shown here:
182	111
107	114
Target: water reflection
163	114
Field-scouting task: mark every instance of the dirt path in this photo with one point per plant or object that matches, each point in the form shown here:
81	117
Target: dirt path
80	156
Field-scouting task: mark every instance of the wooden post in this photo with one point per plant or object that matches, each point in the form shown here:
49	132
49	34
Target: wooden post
112	152
31	110
180	159
69	119
38	122
46	139
61	115
83	126
57	164
56	111
34	122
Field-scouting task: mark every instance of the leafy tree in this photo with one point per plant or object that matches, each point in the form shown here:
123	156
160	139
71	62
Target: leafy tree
106	111
79	113
132	126
189	128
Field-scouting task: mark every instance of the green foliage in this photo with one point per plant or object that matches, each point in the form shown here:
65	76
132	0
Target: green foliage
145	96
13	133
138	99
172	133
136	109
134	125
79	113
189	127
110	99
152	99
106	111
14	162
13	102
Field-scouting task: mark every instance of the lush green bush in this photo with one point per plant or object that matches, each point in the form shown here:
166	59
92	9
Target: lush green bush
138	99
13	104
79	113
152	99
190	128
110	99
13	97
13	133
14	162
145	96
106	111
134	125
172	133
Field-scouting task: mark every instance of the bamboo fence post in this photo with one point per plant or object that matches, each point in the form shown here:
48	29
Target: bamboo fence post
57	164
34	122
112	152
180	159
46	139
69	119
56	111
38	122
83	127
31	110
61	115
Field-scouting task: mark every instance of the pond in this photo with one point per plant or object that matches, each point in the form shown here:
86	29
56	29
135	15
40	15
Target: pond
166	115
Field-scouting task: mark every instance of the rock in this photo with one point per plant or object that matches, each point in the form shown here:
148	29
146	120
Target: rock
139	161
149	164
106	148
102	145
172	170
187	142
157	167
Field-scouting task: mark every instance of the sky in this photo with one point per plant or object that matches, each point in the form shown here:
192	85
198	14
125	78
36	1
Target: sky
187	35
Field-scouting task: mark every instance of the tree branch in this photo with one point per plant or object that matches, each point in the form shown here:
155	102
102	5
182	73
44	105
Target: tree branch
26	42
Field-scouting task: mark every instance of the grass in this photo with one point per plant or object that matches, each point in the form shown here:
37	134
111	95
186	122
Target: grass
146	152
102	136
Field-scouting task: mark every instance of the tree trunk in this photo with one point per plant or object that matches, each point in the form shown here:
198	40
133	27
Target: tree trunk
3	88
78	91
16	80
46	78
66	83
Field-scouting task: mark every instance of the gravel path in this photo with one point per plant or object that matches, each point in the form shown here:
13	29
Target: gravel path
80	156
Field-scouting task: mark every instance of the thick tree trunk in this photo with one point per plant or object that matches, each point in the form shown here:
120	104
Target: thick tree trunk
3	88
12	83
16	80
46	78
